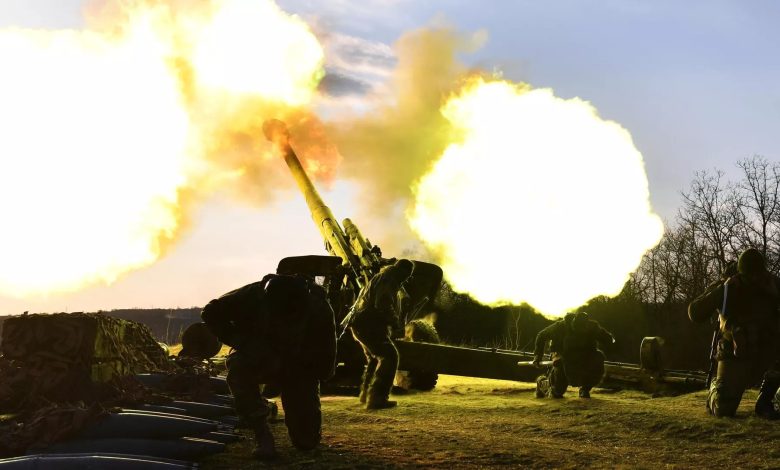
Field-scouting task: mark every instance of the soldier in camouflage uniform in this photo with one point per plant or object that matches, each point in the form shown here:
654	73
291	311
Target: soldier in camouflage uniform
375	313
283	334
747	304
576	359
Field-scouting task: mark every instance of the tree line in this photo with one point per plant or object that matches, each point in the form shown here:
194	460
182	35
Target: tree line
718	219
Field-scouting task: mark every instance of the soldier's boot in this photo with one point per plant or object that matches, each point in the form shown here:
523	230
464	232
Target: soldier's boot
765	406
382	381
584	392
380	403
264	442
542	386
557	389
377	396
363	391
558	380
368	374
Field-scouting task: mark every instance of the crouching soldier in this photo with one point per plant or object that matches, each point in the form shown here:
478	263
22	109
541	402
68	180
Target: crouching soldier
747	305
283	336
575	358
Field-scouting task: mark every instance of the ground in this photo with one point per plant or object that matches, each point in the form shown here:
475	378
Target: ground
478	423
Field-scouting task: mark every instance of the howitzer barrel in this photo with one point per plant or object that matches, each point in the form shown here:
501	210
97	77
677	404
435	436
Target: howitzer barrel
360	245
276	131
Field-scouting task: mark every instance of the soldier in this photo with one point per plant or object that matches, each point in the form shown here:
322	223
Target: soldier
576	360
199	343
283	334
747	304
374	315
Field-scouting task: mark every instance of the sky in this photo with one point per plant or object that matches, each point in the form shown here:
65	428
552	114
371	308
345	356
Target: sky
696	83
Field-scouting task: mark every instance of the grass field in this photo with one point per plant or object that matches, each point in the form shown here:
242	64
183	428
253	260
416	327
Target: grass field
479	423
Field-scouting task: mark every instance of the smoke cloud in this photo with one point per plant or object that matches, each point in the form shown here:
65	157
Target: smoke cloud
393	144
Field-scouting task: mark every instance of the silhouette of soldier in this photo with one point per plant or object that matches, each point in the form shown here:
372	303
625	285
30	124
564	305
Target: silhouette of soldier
283	334
747	307
375	313
575	356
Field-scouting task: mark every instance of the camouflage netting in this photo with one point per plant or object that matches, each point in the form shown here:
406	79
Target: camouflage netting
421	330
59	373
72	357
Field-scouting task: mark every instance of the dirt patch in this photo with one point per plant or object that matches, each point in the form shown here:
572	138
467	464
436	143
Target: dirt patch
476	423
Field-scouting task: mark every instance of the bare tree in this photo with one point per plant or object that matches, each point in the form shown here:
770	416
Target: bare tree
717	220
759	207
711	210
697	249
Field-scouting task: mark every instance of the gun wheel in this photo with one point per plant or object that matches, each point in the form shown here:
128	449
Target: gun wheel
424	332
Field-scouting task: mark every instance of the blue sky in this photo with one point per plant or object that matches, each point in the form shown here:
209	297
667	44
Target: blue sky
697	83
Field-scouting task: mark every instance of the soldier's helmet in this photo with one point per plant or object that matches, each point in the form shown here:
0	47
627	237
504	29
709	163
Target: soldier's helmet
751	263
403	269
579	321
198	342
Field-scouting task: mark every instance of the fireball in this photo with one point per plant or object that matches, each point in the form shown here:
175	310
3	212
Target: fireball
538	200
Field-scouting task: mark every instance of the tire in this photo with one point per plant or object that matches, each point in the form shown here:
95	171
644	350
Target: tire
420	331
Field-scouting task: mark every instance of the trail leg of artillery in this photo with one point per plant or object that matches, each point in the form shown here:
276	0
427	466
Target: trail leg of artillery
478	423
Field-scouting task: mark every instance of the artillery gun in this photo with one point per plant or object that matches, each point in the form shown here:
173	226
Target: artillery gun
352	262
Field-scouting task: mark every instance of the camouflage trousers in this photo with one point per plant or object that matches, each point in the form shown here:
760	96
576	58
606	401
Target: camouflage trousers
734	376
585	369
300	393
381	361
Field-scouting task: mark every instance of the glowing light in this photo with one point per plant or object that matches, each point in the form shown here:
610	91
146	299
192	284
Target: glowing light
252	47
103	139
539	201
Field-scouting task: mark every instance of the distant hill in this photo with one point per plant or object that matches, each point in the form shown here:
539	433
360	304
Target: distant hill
167	324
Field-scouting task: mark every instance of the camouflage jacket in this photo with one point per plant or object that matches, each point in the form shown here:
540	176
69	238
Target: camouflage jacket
565	340
377	304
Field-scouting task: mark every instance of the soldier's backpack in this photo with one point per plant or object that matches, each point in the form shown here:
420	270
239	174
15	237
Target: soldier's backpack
287	311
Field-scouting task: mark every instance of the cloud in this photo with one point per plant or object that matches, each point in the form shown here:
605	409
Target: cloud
391	140
338	84
360	56
358	73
